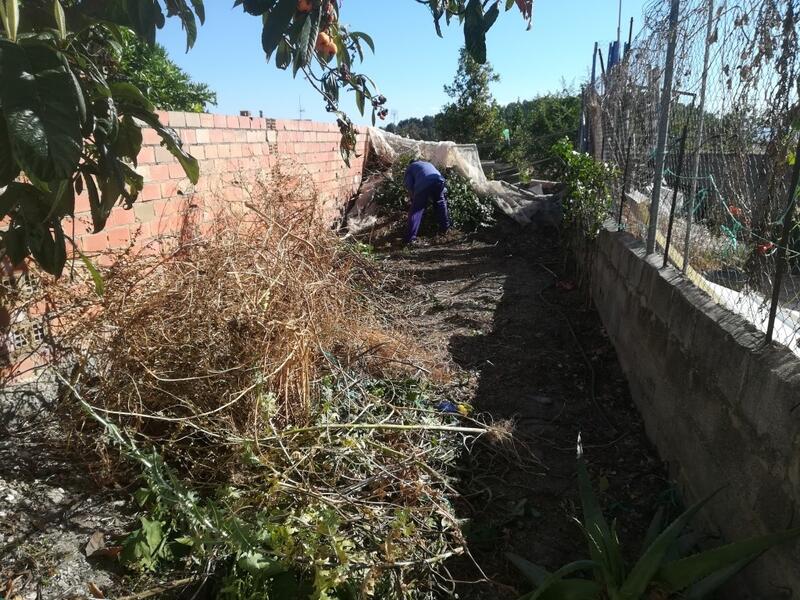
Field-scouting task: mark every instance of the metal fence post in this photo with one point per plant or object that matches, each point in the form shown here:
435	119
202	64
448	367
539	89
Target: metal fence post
782	261
624	181
678	173
663	125
700	132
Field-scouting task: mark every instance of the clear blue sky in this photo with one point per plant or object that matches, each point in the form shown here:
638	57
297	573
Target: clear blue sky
411	63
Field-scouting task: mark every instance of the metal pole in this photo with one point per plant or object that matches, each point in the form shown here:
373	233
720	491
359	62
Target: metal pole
700	131
663	125
783	249
594	65
624	181
678	173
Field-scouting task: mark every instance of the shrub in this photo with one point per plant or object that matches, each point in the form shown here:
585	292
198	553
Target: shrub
588	195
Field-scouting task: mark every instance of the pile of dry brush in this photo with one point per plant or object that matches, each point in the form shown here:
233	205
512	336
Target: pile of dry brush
262	356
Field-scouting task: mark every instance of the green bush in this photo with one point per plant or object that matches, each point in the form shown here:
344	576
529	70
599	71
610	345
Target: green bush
469	210
588	188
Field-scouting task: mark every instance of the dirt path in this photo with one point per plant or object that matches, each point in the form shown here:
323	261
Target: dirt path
527	347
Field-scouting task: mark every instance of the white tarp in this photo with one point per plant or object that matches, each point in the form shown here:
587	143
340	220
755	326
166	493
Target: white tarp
521	205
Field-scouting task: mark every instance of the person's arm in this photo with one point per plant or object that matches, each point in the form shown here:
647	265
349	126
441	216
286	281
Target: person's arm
408	182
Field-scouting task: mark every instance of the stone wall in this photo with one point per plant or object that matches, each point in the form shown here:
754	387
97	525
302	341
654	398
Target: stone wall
722	408
232	151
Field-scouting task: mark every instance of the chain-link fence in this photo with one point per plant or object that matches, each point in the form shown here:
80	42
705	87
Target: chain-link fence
706	96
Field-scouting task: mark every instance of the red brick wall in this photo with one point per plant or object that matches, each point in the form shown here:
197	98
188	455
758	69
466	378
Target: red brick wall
232	151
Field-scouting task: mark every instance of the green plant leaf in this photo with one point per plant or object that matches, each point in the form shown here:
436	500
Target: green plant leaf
129	97
307	39
533	573
682	573
704	588
557	576
173	143
594	523
129	139
475	31
9	169
41	109
61	19
651	561
255	563
275	24
97	277
47	245
360	35
13	239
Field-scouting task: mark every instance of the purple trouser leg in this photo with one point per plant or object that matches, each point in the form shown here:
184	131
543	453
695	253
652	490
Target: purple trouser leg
419	202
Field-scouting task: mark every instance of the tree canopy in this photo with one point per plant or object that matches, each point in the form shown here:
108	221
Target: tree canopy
167	86
473	115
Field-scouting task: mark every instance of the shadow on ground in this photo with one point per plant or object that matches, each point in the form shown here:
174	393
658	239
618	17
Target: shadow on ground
531	350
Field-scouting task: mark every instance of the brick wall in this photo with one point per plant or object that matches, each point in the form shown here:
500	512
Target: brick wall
232	151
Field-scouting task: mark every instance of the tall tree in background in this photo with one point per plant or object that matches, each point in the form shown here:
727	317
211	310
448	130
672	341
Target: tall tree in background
537	124
473	116
165	84
416	128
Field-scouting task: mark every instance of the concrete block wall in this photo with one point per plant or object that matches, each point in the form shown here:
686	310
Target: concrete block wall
722	408
232	151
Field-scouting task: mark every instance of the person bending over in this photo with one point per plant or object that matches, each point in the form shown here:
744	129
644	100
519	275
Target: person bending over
425	184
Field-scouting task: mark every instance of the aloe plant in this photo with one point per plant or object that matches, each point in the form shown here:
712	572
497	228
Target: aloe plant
657	574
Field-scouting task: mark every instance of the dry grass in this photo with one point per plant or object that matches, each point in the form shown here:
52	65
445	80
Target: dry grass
214	335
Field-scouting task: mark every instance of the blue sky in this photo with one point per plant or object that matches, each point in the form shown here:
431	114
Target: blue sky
411	63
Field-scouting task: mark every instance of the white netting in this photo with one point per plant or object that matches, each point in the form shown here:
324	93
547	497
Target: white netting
521	205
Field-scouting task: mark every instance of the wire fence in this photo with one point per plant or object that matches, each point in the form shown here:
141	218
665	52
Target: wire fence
699	114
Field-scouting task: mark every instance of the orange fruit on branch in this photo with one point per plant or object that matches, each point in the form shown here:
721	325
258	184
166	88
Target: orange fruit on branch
326	47
304	6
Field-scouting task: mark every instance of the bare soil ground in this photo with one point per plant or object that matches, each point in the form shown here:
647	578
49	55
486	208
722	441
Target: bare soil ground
523	343
527	346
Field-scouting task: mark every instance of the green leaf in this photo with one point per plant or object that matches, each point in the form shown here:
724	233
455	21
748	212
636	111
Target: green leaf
99	283
153	533
360	35
283	58
14	241
594	522
651	561
200	9
41	109
557	576
533	573
173	143
128	96
9	169
475	31
47	245
276	23
308	39
255	563
129	139
704	588
680	574
490	17
61	19
360	101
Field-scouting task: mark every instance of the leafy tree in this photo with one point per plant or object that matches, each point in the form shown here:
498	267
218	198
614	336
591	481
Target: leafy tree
416	128
165	84
67	128
473	116
536	124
